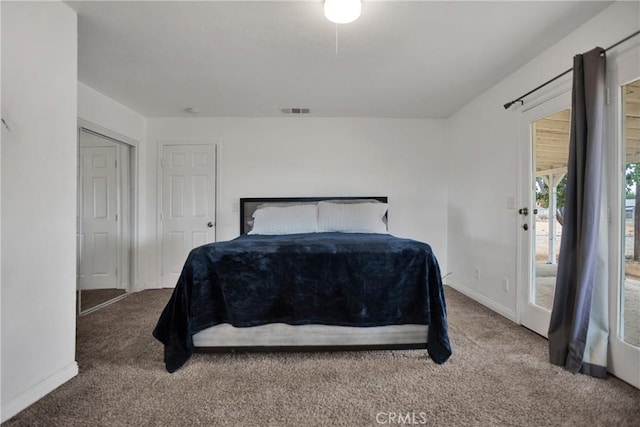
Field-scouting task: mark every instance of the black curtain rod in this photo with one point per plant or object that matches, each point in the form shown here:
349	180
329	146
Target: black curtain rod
520	99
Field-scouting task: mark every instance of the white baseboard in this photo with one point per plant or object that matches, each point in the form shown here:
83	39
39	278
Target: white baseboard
492	305
38	391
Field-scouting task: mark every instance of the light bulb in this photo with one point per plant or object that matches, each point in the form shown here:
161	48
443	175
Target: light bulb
342	11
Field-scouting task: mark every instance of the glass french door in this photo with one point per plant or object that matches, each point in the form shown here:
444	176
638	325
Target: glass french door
624	292
544	150
543	158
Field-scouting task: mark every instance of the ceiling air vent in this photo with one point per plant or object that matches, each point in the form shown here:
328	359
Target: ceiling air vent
295	111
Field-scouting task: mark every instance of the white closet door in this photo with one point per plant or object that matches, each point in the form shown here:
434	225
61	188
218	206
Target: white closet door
99	232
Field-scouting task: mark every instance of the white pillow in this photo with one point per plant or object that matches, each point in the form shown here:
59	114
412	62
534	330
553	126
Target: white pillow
285	220
352	217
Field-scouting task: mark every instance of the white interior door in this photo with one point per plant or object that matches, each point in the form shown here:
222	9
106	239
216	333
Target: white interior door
99	230
543	156
188	204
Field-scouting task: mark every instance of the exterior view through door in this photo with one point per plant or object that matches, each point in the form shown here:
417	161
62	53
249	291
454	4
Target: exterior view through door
550	136
187	214
630	295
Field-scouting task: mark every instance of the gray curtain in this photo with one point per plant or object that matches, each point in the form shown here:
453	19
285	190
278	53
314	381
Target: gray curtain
578	331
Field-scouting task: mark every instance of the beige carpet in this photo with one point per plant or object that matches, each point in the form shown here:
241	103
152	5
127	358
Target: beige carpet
545	288
498	375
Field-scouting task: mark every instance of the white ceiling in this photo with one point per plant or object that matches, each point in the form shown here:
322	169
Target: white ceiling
250	59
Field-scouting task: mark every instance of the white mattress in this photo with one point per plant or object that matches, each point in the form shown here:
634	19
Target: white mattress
280	334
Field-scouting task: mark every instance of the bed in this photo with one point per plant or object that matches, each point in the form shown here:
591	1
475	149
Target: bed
307	274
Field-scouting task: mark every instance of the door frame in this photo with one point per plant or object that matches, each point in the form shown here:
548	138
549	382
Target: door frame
552	101
159	225
622	356
132	276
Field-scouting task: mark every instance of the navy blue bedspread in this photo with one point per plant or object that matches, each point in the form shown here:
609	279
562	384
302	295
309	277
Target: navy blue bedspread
344	279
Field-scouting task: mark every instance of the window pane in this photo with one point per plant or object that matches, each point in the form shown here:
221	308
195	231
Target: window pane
630	295
551	152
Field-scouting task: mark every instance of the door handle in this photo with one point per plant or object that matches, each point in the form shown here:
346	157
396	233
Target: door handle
210	224
525	227
523	211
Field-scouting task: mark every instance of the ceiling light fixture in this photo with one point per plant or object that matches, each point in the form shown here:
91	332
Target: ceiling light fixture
342	11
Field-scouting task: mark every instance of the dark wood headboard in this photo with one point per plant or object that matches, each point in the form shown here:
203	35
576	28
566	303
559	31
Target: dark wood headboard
248	205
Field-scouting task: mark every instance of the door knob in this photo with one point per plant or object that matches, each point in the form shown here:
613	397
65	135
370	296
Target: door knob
523	211
209	224
525	227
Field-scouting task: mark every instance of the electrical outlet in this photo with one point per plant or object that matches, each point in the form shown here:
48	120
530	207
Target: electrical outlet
505	284
476	273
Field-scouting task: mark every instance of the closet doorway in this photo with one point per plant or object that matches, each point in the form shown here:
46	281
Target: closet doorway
104	220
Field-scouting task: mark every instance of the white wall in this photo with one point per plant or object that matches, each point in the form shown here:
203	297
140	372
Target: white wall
483	172
402	159
103	111
39	101
2	137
